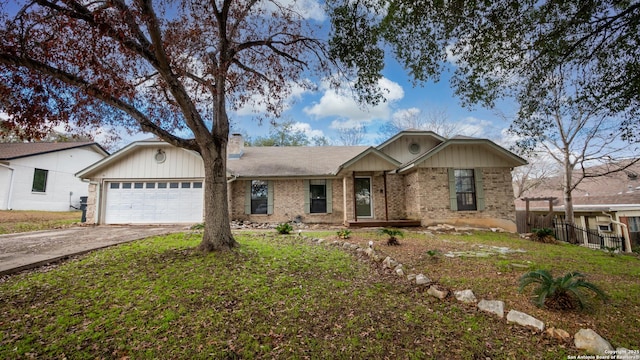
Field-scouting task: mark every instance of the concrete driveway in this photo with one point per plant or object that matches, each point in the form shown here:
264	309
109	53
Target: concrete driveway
28	250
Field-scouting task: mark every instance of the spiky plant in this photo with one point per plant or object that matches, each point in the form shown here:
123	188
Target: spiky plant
561	293
392	234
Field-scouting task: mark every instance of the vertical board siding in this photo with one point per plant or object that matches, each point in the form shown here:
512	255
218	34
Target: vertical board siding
465	157
399	149
141	164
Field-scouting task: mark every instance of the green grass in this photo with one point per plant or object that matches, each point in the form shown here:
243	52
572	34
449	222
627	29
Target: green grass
15	221
275	297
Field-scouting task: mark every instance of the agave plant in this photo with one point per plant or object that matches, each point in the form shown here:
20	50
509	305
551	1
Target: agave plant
562	293
393	235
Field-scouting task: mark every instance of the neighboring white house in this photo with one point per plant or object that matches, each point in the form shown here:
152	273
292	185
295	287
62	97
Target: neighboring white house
41	176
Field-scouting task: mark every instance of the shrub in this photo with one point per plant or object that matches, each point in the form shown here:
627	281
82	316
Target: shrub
344	234
392	234
284	228
544	235
561	293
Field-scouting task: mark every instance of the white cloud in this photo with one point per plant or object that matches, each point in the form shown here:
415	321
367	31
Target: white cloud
307	9
341	103
306	129
257	104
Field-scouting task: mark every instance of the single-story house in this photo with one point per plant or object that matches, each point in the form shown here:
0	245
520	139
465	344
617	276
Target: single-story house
41	175
416	176
607	205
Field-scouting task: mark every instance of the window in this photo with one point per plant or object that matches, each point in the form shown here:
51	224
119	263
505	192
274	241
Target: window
318	196
259	197
39	180
466	189
197	185
173	185
634	224
162	185
138	185
126	185
114	186
150	185
186	185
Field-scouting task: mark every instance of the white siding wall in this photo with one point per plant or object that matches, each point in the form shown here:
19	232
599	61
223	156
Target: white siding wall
141	164
5	187
467	156
62	188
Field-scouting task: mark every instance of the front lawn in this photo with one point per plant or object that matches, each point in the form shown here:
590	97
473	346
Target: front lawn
279	296
16	221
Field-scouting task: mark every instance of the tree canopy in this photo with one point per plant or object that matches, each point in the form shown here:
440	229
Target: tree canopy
171	68
503	48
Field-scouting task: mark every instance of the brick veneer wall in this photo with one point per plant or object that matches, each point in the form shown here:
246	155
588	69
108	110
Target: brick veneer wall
288	203
427	198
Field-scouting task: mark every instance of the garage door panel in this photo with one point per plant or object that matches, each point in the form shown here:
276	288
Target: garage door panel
154	202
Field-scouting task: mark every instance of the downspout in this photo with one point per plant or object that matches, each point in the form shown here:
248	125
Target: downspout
10	194
625	232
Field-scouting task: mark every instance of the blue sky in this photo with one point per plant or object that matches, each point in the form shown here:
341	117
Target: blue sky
319	113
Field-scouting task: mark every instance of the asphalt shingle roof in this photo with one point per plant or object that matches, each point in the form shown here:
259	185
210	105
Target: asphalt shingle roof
292	160
10	151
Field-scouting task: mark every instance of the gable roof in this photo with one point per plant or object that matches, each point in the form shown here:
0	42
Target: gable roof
410	132
464	140
616	190
153	142
288	161
10	151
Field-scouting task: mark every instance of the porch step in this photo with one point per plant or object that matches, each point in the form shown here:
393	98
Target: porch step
383	223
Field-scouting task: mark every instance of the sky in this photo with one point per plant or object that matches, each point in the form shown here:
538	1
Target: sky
319	113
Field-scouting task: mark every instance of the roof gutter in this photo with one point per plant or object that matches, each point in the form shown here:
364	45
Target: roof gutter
10	193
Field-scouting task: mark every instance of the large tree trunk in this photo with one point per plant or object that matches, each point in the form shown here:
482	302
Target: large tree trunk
217	230
568	200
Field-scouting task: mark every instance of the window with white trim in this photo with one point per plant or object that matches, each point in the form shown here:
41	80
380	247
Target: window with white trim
39	180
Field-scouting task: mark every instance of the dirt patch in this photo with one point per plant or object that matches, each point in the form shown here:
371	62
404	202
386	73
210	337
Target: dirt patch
15	216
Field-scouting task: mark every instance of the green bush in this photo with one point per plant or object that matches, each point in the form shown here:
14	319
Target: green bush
561	293
392	234
284	228
344	234
544	235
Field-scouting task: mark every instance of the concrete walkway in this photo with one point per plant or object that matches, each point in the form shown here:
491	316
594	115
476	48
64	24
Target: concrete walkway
23	251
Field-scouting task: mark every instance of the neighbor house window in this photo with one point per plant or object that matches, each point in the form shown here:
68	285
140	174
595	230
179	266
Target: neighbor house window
465	189
39	180
634	224
259	197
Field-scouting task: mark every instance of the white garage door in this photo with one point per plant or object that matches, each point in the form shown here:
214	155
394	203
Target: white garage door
147	202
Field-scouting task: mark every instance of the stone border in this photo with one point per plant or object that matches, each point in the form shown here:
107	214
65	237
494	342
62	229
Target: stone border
585	339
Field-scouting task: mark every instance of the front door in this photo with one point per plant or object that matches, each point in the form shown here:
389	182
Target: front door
364	201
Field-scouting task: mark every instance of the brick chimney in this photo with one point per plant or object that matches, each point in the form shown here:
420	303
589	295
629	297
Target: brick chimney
235	147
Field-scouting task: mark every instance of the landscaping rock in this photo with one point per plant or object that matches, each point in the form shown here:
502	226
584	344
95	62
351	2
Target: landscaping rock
399	271
558	334
465	296
492	306
590	341
422	280
411	277
369	252
523	319
386	263
435	292
346	245
320	241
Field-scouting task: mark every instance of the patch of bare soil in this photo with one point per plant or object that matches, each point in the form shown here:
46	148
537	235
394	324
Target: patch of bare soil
491	277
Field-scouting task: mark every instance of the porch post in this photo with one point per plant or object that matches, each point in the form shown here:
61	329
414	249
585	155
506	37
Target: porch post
355	210
386	205
344	201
